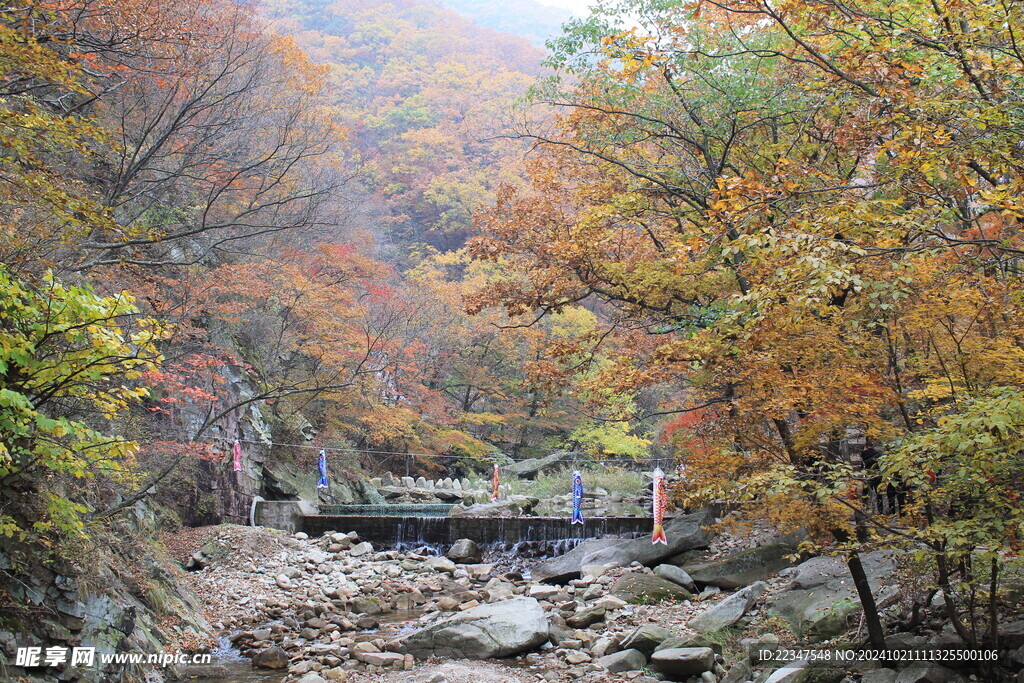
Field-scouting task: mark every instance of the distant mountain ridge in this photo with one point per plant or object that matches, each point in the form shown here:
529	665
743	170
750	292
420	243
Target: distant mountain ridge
425	95
530	19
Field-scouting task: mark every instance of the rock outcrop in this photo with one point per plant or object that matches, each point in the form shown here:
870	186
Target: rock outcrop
743	568
684	533
728	611
822	599
637	587
529	469
464	551
500	629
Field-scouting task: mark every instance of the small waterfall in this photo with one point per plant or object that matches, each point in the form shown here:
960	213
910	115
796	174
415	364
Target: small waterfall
536	536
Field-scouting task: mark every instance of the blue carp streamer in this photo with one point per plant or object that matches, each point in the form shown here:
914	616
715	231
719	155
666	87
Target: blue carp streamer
577	498
322	464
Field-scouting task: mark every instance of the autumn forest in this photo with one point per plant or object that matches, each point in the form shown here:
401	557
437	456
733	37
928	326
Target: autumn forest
740	235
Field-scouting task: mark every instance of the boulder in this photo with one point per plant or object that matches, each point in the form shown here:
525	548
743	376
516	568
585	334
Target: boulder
740	672
646	639
499	629
691	640
791	672
271	658
528	469
728	611
568	566
366	604
879	676
683	661
385	659
1011	635
684	533
743	568
586	617
627	660
822	602
605	646
675	575
638	588
439	564
465	551
361	549
927	672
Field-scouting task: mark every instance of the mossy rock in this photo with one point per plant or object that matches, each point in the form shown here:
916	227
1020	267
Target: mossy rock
743	568
637	588
695	640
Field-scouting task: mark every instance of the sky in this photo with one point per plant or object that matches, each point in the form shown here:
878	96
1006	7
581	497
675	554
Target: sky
578	7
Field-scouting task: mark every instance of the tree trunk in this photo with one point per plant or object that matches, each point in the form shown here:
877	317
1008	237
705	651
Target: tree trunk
876	635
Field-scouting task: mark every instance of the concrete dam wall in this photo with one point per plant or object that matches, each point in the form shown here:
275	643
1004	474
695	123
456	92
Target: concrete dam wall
486	531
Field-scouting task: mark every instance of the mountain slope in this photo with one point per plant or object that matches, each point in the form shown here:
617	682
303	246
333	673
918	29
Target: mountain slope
424	94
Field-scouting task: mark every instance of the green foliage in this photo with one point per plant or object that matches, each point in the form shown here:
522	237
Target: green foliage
559	482
967	474
610	438
64	351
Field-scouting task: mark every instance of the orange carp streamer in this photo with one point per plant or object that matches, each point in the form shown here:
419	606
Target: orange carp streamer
659	508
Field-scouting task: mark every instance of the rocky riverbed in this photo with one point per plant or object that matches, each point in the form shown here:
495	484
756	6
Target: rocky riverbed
335	608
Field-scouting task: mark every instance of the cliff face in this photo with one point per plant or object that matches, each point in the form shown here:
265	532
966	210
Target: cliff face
129	599
203	492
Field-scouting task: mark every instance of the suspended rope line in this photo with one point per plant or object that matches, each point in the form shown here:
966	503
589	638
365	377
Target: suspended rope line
351	450
418	455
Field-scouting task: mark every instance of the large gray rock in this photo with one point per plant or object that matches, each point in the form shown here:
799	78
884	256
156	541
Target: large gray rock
465	551
627	660
529	469
1011	635
804	671
646	638
566	567
684	661
739	672
687	532
271	658
676	575
587	616
691	640
822	601
743	568
927	672
879	676
639	588
790	672
500	629
728	611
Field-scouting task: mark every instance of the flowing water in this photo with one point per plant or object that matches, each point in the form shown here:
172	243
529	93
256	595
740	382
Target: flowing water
239	668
